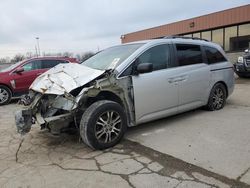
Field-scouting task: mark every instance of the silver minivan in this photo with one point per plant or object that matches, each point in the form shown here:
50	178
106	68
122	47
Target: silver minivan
127	85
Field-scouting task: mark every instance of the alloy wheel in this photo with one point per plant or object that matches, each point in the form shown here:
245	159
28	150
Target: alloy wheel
108	126
4	95
218	98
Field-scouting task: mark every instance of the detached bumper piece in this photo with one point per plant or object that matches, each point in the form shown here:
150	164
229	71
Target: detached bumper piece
56	124
24	121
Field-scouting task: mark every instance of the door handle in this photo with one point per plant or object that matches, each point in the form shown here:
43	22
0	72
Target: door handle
171	80
177	79
184	78
38	74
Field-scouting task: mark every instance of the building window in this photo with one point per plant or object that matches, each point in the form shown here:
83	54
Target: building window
230	34
187	35
240	43
244	29
197	35
217	36
243	40
206	35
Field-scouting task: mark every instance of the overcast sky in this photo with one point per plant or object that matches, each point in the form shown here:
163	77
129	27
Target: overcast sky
88	25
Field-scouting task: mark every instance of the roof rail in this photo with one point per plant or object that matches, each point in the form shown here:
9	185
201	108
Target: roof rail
183	37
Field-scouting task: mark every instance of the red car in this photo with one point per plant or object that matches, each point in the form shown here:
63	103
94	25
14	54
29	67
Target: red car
16	79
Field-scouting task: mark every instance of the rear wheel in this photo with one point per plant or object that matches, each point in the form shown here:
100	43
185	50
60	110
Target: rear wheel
103	124
217	98
5	95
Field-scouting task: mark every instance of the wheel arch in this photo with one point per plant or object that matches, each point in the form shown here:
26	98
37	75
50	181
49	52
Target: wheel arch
105	95
87	130
225	85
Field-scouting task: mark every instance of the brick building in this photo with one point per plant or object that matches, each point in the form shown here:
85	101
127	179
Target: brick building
230	28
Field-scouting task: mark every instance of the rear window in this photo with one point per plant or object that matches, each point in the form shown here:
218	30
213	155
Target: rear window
188	54
213	55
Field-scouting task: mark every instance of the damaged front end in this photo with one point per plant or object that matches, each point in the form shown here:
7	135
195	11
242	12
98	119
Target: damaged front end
58	98
54	97
49	111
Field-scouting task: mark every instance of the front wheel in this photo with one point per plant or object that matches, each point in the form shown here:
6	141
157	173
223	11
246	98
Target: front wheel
217	98
103	124
5	95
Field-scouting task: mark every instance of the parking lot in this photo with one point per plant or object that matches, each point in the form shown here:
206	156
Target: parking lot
194	149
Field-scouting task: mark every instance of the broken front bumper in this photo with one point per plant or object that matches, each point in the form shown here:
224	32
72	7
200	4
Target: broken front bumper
31	114
24	120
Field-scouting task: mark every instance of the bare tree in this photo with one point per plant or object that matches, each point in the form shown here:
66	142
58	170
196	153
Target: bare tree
17	58
29	55
67	54
84	56
3	60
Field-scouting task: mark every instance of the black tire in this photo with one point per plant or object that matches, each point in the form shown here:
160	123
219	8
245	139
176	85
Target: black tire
217	97
5	95
95	121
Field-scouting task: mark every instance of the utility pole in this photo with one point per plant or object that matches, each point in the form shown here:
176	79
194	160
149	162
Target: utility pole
36	51
38	47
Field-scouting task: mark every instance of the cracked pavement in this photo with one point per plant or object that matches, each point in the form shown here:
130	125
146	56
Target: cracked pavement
42	160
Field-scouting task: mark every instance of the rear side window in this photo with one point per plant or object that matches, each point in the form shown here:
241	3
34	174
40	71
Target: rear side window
47	64
213	55
159	56
188	54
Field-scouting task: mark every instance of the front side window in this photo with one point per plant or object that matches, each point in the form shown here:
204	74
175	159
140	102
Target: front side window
33	65
158	56
188	54
213	55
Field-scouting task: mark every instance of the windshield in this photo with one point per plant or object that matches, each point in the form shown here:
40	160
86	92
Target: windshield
11	67
111	57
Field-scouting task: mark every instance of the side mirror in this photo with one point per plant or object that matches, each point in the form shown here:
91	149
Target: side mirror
144	68
19	70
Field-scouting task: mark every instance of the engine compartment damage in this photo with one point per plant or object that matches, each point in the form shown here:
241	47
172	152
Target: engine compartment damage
58	98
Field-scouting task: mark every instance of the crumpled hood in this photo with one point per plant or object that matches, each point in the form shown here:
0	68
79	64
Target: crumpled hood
64	78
